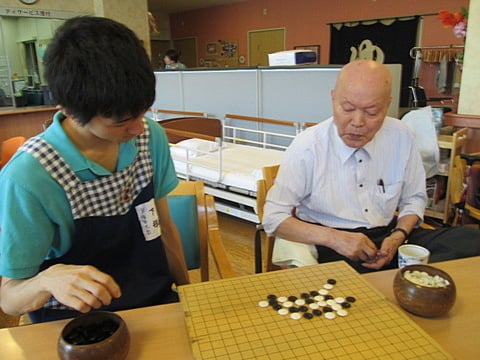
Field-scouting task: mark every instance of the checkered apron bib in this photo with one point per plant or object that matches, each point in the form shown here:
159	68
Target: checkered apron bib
107	233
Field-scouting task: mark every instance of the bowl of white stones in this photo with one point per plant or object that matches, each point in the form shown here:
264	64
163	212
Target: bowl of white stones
424	290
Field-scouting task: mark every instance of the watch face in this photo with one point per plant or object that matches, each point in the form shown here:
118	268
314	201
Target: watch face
28	2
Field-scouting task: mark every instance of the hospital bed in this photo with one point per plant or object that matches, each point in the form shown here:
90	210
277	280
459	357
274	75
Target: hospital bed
228	155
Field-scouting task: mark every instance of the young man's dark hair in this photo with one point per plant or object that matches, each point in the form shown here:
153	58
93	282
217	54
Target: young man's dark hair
96	66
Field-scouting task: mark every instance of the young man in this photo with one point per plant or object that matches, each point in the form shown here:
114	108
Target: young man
84	217
353	172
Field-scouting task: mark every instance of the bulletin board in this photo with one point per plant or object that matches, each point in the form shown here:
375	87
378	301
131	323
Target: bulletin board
221	53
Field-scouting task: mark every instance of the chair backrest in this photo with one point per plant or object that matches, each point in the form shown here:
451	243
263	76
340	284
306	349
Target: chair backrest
472	198
195	216
457	173
8	320
263	186
269	174
9	147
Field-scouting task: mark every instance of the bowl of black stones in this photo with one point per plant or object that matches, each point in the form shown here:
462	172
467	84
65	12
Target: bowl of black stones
95	335
424	290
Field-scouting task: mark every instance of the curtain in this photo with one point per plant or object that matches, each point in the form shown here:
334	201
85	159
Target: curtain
387	40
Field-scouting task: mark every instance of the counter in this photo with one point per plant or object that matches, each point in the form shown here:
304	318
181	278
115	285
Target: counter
26	121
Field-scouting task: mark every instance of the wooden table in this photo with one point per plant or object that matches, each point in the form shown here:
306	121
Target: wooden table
156	332
458	331
160	331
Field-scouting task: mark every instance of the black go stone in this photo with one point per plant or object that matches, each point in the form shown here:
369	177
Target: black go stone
92	333
307	315
272	301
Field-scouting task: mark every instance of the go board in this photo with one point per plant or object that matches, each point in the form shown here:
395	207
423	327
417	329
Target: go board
224	319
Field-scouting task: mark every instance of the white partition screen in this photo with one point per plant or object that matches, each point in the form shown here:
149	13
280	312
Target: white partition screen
293	93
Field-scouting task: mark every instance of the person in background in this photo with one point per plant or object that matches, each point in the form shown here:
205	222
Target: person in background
171	60
359	187
84	217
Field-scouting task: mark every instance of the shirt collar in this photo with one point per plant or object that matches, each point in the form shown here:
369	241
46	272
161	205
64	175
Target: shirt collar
343	151
56	136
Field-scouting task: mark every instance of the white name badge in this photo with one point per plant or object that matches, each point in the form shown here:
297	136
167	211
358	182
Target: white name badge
148	217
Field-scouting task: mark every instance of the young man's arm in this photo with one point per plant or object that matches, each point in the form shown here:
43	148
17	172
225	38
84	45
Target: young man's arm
80	287
172	243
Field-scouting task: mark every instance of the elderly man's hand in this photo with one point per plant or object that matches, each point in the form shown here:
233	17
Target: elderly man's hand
355	246
385	255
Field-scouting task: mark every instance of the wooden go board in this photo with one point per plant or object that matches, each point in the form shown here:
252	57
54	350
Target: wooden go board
224	320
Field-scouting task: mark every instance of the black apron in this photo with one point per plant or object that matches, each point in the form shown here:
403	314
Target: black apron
108	215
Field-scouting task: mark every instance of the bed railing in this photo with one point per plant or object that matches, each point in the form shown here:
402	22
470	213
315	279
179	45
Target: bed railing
162	114
279	137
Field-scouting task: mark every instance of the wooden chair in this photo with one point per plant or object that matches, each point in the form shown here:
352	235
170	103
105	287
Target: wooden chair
194	214
464	177
8	320
9	147
263	185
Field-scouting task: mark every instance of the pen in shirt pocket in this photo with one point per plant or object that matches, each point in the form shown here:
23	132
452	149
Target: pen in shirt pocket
381	184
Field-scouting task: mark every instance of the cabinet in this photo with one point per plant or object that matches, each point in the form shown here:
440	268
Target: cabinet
452	145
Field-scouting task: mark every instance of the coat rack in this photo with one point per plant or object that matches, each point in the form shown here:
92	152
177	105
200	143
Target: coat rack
435	53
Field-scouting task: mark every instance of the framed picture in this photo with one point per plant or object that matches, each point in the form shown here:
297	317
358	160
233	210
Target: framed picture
211	48
18	85
315	48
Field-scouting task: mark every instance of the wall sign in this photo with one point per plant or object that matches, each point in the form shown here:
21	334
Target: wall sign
37	13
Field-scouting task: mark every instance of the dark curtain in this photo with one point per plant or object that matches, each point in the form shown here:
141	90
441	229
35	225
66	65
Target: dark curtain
395	40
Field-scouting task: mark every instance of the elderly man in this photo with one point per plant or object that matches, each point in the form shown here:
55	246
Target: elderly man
354	173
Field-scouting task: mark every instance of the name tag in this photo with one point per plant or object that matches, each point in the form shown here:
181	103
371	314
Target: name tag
148	217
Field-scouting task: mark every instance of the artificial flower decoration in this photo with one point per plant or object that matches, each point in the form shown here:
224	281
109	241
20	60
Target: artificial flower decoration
457	20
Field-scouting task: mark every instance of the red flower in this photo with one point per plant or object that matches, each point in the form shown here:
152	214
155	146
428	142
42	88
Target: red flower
450	19
457	20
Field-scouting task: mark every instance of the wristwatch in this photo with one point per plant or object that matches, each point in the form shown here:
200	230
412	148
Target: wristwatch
403	231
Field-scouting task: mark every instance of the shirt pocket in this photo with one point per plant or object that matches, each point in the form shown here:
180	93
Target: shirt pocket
387	196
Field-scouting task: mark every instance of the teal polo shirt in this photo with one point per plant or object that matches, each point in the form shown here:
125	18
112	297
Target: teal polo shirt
36	221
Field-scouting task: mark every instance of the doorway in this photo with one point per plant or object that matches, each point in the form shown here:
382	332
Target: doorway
264	42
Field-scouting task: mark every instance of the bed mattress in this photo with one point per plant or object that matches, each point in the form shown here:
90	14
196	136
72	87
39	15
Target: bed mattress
240	166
